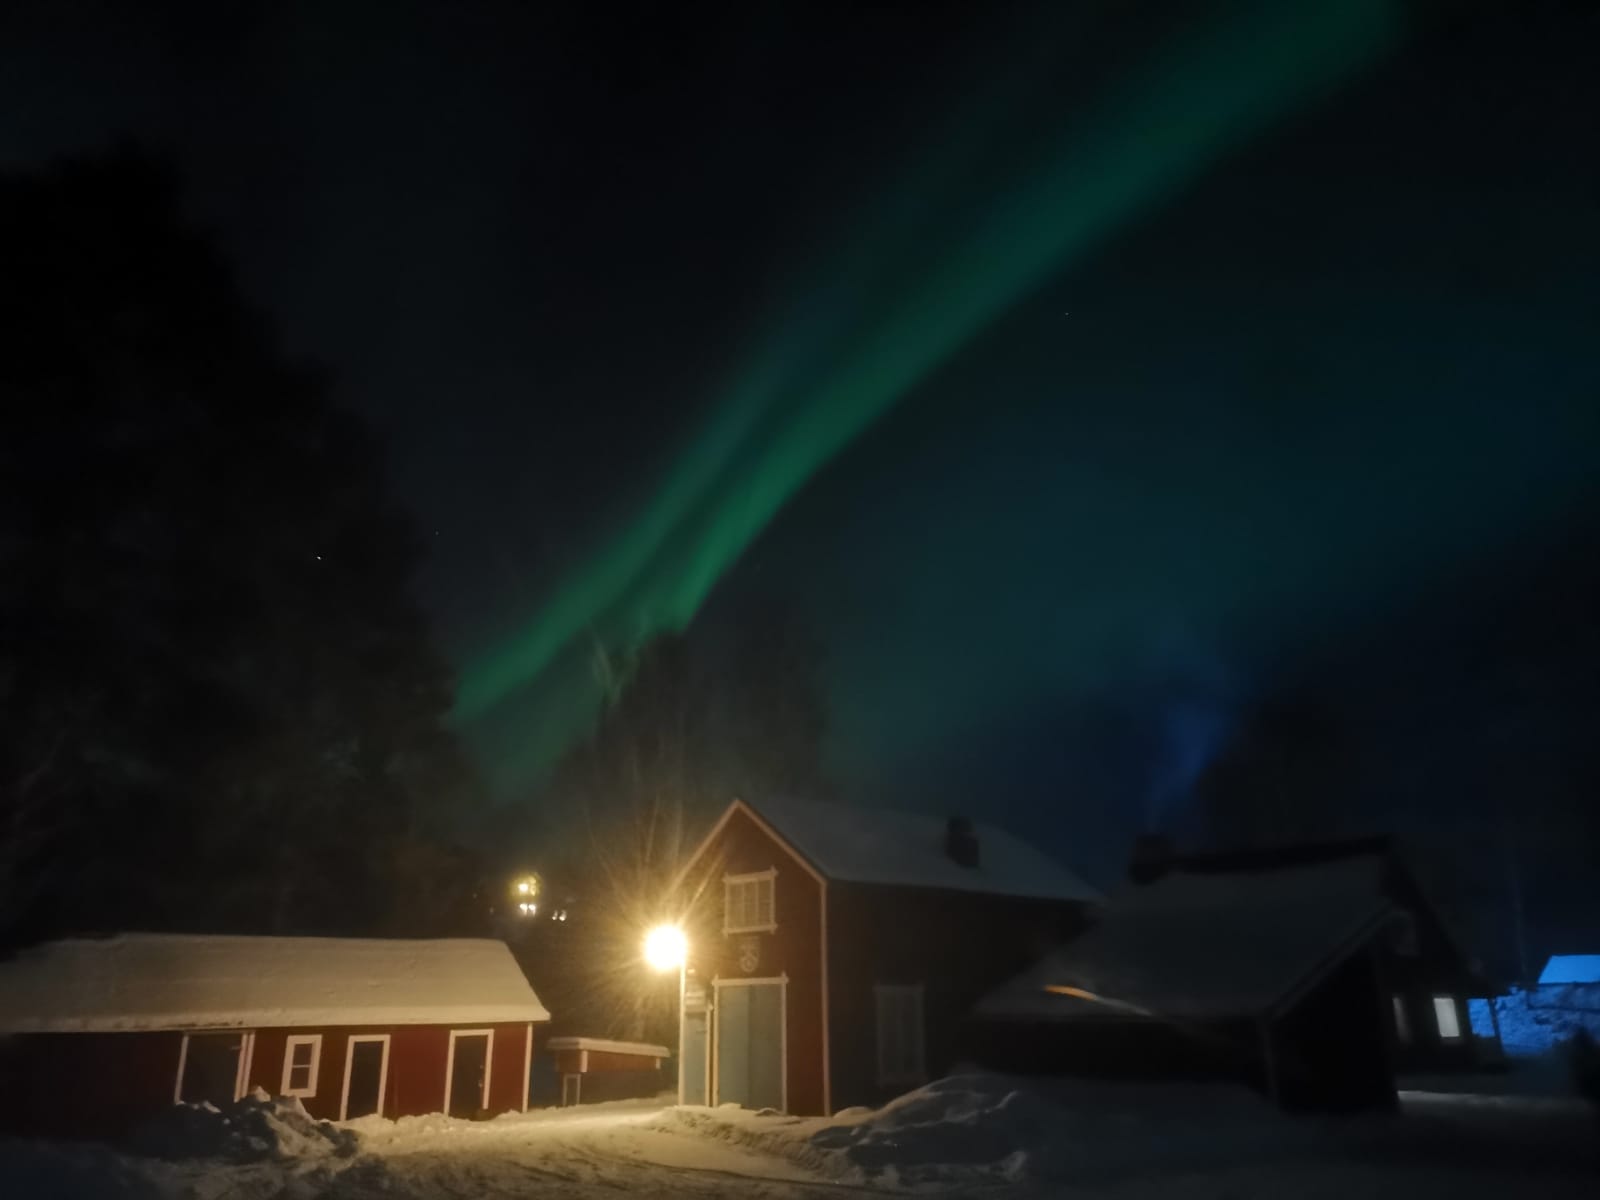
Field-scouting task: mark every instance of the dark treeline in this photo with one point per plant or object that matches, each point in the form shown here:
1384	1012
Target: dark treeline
1470	728
220	707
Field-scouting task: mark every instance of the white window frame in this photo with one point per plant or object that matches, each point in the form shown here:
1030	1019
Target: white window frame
1443	1005
450	1065
890	1073
383	1071
769	877
314	1040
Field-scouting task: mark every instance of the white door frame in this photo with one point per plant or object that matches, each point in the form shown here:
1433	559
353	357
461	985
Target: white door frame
241	1071
450	1064
711	1034
715	1086
527	1066
383	1070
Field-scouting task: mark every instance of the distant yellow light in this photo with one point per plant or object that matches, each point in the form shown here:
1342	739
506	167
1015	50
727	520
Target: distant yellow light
665	947
523	887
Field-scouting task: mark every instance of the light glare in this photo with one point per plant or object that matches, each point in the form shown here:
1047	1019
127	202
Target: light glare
665	947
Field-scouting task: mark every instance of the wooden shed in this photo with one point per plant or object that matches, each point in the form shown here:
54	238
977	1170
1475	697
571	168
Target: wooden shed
590	1070
98	1034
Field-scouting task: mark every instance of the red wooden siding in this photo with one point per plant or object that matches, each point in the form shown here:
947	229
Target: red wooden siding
794	950
957	945
104	1084
85	1084
570	1062
508	1084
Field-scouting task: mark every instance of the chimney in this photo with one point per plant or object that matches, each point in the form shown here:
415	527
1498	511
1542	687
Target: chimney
961	842
1151	859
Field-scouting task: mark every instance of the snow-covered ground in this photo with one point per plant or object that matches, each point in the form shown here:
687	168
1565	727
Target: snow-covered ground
964	1136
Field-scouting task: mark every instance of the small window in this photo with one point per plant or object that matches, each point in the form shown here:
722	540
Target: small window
900	1034
1402	1022
747	903
301	1058
1444	1011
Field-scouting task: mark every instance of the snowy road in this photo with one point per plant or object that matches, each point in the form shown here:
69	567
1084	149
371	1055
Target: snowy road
964	1137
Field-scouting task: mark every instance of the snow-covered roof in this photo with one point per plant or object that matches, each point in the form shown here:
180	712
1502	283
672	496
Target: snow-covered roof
907	849
1571	968
140	981
607	1045
1203	946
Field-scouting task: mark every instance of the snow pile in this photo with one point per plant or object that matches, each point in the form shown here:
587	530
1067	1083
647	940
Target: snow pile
255	1129
47	1171
1540	1019
980	1128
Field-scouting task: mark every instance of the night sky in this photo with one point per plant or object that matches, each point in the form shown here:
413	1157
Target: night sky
1084	372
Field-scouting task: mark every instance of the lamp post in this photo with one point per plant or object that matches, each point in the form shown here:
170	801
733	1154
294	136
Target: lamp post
666	947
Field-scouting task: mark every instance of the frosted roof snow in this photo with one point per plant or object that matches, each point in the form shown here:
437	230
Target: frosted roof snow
142	981
1202	946
1571	968
609	1046
906	849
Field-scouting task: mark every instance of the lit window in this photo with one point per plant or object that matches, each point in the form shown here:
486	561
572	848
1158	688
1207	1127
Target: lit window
1402	1023
1444	1011
747	903
301	1058
900	1035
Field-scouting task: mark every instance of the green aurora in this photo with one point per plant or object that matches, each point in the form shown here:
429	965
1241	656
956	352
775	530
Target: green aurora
882	314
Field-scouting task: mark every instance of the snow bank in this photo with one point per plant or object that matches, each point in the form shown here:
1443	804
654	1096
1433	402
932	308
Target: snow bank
977	1128
1538	1020
255	1129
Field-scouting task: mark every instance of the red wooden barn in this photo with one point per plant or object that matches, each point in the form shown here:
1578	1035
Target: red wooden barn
97	1034
835	952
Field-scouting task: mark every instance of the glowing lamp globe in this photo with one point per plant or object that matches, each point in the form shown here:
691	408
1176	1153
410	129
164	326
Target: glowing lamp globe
665	947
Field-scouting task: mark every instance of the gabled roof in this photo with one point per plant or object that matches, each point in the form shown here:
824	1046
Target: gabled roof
1205	946
143	981
852	844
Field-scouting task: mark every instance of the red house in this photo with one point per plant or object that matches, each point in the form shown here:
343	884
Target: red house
99	1034
835	952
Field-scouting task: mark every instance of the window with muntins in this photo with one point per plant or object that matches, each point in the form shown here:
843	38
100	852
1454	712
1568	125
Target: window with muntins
748	903
301	1057
900	1034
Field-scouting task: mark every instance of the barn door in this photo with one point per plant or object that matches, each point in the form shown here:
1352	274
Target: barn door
468	1084
693	1057
366	1071
750	1045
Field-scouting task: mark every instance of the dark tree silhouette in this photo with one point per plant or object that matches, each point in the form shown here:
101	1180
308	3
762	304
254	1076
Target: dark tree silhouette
689	722
221	707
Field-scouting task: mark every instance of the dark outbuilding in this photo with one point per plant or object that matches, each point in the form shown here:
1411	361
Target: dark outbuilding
1307	972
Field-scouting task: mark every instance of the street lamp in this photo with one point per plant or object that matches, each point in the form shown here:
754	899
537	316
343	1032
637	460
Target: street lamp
666	947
